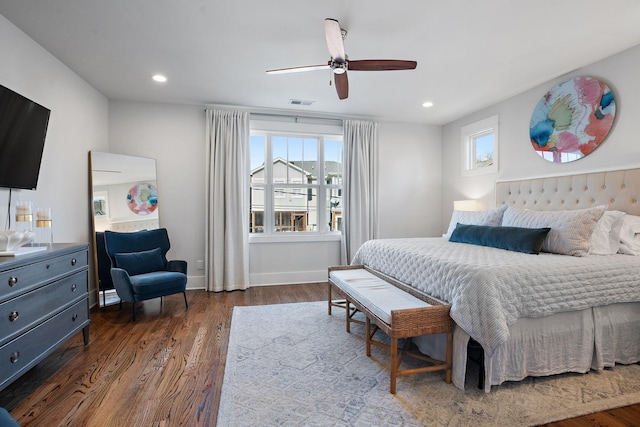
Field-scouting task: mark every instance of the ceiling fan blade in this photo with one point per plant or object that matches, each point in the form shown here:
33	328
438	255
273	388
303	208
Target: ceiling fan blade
342	85
333	34
298	69
381	65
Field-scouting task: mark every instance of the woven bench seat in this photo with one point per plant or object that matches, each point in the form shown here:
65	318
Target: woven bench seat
377	295
395	309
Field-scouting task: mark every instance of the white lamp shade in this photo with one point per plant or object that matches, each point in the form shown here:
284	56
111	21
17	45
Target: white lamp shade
467	205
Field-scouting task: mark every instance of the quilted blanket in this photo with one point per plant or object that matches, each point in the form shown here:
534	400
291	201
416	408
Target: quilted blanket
490	289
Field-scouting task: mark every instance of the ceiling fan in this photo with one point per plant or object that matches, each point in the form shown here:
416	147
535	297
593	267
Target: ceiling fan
340	63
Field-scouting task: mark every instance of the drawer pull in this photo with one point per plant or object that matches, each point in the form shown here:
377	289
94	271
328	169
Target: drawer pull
47	266
13	281
73	261
15	356
74	317
13	316
74	287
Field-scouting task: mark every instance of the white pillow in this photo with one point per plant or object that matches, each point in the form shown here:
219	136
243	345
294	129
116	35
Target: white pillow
605	239
570	229
630	235
490	217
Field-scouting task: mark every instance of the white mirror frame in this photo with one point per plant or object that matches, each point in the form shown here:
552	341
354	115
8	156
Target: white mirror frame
115	173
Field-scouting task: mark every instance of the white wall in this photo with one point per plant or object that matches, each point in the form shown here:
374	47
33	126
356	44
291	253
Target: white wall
518	159
78	124
175	136
410	180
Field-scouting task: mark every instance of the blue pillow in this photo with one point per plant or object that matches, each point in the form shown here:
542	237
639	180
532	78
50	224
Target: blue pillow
527	240
140	262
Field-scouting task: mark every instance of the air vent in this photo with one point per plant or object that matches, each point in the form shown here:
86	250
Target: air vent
300	102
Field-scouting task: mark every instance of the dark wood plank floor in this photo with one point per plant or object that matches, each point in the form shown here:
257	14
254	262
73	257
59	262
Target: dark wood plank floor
166	369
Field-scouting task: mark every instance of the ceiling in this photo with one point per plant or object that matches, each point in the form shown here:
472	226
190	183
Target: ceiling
470	54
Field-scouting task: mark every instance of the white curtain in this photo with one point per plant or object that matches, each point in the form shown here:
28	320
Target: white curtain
227	204
360	186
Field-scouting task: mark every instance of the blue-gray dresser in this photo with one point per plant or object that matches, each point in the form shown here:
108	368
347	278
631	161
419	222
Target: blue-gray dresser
44	301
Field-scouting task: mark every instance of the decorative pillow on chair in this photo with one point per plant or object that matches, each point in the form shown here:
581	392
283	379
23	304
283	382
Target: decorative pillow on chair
490	217
527	240
570	229
140	262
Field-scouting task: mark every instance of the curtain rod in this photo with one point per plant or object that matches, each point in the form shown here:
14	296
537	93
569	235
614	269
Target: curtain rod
296	119
276	114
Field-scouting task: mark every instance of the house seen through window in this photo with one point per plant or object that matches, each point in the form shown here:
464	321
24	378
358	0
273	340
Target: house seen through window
296	183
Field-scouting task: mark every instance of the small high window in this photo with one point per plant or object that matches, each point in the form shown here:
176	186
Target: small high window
480	147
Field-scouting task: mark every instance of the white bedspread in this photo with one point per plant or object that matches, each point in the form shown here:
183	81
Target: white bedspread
489	289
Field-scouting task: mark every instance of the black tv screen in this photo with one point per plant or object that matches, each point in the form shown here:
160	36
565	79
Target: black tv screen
23	127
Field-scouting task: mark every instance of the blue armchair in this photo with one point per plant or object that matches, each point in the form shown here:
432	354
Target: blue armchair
139	267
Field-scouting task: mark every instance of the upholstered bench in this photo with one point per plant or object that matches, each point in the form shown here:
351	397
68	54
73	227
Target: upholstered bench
397	310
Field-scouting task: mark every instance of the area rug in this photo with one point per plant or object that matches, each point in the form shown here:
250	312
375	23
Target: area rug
294	365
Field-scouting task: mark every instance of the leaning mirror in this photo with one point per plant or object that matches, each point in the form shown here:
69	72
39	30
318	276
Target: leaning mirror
124	198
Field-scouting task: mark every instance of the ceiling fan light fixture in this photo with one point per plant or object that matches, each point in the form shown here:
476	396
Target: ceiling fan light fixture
339	67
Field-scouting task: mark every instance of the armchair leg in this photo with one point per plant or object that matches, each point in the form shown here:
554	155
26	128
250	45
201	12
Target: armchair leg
133	305
185	299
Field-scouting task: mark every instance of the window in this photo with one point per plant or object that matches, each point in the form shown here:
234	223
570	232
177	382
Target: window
296	183
480	147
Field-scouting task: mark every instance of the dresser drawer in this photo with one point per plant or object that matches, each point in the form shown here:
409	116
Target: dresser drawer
25	311
21	279
19	355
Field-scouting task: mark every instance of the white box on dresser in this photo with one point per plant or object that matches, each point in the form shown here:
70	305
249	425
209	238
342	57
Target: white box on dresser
44	301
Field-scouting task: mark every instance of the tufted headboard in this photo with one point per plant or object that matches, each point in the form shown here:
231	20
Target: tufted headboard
620	189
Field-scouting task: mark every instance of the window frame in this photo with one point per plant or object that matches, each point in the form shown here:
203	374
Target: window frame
468	136
319	189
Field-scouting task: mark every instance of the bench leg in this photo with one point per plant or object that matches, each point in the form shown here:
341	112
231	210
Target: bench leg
347	305
394	365
368	336
329	300
449	356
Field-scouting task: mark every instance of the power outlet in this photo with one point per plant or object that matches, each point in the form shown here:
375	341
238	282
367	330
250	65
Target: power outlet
200	264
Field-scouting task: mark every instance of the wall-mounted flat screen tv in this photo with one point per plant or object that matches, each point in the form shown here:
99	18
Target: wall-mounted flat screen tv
23	128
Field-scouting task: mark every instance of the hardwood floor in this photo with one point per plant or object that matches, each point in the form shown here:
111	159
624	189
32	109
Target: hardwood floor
166	369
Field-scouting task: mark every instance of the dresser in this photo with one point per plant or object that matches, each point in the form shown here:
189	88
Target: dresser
44	301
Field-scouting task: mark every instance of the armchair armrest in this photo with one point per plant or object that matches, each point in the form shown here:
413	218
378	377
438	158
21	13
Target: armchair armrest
177	266
122	283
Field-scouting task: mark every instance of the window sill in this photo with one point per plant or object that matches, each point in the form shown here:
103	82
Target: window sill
295	238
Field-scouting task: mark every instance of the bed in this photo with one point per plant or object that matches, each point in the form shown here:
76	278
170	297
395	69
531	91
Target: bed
534	315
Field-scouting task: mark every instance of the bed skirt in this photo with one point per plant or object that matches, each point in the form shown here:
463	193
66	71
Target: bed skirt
577	341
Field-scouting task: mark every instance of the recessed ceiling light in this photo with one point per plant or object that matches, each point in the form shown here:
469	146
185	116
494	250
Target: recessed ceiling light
159	78
428	104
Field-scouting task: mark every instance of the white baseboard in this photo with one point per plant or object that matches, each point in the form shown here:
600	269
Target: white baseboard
288	278
195	282
270	279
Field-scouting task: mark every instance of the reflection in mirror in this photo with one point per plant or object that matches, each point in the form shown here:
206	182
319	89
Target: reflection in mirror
124	198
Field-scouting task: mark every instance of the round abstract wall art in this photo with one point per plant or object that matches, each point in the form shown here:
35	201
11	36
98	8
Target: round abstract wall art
142	199
572	119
